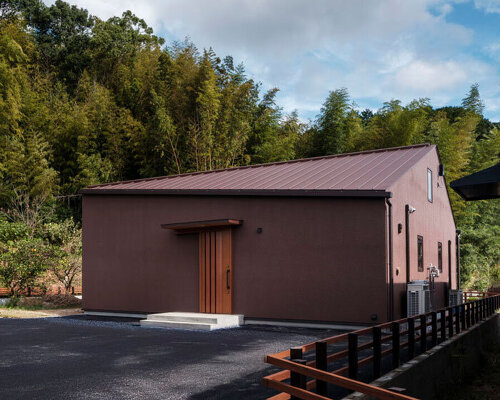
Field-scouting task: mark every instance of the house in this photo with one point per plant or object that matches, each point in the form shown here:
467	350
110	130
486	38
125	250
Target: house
481	185
325	239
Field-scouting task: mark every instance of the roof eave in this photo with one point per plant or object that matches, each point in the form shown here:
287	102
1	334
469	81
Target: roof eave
237	192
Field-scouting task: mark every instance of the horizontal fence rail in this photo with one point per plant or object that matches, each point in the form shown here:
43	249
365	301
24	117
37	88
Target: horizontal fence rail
75	290
475	294
315	370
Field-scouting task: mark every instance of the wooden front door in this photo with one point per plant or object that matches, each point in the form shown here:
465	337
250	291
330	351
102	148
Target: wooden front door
216	271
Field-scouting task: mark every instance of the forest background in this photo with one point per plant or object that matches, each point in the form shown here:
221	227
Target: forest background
86	101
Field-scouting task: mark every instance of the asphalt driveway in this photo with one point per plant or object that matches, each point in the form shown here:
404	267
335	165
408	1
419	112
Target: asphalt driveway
80	358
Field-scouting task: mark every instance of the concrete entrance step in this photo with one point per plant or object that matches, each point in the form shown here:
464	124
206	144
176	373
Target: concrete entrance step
192	321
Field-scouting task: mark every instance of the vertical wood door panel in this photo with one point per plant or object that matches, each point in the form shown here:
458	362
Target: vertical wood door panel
201	258
215	271
213	293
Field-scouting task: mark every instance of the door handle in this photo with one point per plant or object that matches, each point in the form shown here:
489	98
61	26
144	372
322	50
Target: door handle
227	280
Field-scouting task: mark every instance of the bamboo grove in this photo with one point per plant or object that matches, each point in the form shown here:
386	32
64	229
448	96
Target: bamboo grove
86	101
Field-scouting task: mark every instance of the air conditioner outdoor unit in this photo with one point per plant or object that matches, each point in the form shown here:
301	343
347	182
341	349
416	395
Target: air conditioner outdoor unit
455	298
419	298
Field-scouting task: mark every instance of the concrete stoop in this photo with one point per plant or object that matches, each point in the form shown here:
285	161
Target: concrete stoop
192	321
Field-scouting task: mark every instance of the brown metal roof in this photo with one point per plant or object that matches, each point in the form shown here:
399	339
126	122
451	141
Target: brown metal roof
368	173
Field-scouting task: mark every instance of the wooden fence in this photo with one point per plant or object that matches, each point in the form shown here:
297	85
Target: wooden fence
75	290
475	294
305	369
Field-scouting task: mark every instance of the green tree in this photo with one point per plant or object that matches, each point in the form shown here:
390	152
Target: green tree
395	125
66	238
337	124
22	262
472	102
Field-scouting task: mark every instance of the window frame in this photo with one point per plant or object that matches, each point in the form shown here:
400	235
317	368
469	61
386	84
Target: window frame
430	194
420	253
440	256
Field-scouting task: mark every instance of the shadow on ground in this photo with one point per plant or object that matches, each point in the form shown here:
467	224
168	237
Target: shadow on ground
82	358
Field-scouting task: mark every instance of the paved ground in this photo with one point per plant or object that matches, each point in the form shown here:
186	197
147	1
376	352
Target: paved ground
77	358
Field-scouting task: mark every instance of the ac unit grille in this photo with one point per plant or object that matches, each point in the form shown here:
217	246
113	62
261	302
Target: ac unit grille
418	298
413	303
455	298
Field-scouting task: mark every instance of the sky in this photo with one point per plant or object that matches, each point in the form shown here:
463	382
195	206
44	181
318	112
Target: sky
378	50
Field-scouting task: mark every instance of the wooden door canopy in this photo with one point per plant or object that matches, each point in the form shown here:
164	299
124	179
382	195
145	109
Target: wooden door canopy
197	226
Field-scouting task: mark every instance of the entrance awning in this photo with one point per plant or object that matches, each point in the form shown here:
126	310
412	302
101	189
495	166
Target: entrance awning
481	185
196	226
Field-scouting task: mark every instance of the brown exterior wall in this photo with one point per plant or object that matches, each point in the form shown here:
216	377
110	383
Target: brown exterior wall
317	259
433	221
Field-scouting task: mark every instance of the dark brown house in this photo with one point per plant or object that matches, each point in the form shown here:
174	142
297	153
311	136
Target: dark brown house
326	239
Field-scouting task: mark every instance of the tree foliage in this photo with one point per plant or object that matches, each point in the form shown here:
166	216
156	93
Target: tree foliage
85	101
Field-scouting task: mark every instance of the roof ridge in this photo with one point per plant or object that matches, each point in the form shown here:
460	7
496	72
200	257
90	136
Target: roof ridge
213	171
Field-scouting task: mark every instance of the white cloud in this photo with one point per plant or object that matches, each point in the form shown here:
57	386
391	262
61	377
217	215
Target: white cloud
490	6
430	77
377	49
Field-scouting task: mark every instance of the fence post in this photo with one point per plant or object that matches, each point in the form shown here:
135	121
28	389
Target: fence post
443	325
450	322
462	317
322	364
395	344
423	333
353	355
457	319
472	313
296	353
377	351
411	338
434	329
296	378
467	315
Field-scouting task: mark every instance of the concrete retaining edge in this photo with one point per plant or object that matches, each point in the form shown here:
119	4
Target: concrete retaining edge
453	361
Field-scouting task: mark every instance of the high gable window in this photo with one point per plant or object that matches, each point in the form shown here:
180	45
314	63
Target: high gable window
420	253
429	185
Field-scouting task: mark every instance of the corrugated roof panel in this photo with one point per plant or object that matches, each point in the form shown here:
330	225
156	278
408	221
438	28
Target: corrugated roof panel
343	178
375	170
371	177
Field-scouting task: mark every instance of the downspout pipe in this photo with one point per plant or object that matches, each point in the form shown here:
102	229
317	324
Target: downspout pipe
407	233
459	232
449	274
391	277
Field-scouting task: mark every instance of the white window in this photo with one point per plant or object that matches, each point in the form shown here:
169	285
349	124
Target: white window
429	185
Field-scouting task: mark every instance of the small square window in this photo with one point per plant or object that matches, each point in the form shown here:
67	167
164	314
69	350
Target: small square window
429	185
420	253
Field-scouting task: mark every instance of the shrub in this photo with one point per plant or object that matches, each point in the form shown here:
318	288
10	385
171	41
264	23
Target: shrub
61	301
22	262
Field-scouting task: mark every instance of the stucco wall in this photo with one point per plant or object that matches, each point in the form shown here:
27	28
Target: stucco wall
317	259
433	221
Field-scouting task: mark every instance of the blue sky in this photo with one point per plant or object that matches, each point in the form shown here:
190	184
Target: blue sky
378	50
